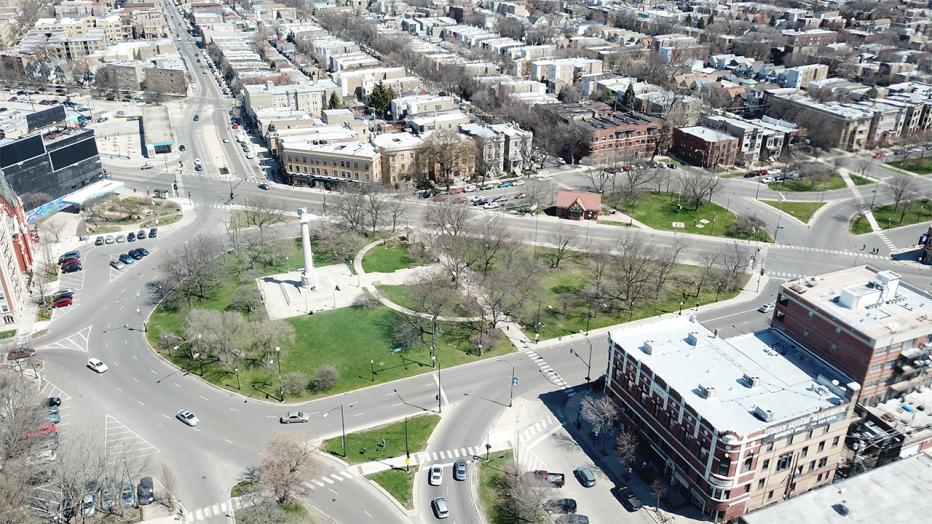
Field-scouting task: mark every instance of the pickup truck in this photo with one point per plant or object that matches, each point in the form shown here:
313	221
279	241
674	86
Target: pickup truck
554	479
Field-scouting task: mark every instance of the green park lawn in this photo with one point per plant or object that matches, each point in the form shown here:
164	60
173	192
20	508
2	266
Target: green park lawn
563	309
833	182
887	219
398	483
7	334
363	446
387	257
401	294
802	211
660	210
492	486
919	166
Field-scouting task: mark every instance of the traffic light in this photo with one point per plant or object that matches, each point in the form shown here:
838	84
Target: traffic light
175	186
231	195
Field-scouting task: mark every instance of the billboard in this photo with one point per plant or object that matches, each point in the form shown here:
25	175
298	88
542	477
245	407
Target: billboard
45	117
20	150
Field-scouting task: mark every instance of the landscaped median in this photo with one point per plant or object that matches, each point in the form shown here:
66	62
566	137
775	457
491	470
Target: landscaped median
819	183
890	216
797	209
387	442
388	257
265	510
920	166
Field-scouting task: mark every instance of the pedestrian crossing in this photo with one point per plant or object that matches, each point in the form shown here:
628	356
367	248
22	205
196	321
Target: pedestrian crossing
220	509
860	254
547	371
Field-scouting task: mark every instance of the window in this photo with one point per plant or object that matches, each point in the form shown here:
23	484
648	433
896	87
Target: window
748	463
812	465
810	315
770	495
784	461
834	348
789	441
805	451
805	332
724	465
834	441
770	446
760	483
819	478
766	464
823	461
838	330
821	445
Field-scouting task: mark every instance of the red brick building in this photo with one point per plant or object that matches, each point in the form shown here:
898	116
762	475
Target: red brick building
578	205
625	136
867	323
731	425
16	255
705	147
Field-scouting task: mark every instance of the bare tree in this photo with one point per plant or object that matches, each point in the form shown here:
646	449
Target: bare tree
285	461
395	209
435	295
626	445
563	239
632	273
904	191
53	228
734	259
19	410
350	208
658	490
600	413
448	219
524	495
698	185
191	266
217	333
492	237
507	287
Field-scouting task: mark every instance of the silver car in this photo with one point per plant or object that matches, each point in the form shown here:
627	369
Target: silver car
187	417
293	416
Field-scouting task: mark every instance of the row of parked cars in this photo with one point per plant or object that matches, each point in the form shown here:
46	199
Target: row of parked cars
129	258
104	498
132	236
70	262
587	479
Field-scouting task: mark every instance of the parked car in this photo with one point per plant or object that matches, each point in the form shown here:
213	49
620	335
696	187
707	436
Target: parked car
505	184
96	365
53	418
63	292
127	259
120	238
292	417
89	504
627	498
572	518
264	186
146	167
128	495
459	470
182	148
107	501
435	475
62	302
54	401
554	479
585	476
41	476
766	308
71	255
470	188
131	237
99	241
116	264
187	417
439	505
560	506
141	234
197	117
145	491
153	232
136	254
18	353
143	251
109	239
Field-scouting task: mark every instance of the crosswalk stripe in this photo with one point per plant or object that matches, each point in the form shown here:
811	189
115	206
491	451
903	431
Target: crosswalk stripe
336	477
223	507
216	509
347	474
434	457
319	483
327	480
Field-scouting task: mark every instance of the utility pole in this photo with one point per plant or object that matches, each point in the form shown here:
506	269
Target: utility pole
439	388
407	449
514	382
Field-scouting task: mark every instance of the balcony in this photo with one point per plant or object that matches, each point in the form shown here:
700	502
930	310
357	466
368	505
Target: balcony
720	482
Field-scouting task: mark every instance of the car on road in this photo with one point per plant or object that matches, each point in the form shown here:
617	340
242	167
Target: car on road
766	308
292	417
627	498
109	239
62	302
145	167
120	238
585	476
145	491
135	254
439	505
560	506
264	186
131	237
197	117
128	495
116	264
459	470
187	417
54	401
153	232
435	475
572	518
97	365
505	184
226	140
127	259
18	353
88	504
182	148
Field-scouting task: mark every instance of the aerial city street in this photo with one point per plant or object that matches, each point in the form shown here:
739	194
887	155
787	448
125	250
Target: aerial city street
400	261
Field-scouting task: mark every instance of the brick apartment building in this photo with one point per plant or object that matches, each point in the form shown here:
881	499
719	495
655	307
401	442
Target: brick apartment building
869	324
705	147
627	136
733	425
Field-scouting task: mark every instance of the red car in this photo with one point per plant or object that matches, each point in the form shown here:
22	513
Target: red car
62	302
17	353
235	126
44	429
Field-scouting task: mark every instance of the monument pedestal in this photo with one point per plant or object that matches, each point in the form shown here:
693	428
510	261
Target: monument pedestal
286	294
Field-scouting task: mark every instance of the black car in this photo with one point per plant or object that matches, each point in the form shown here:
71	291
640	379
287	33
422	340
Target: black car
627	498
54	401
265	186
143	251
135	254
72	268
131	237
560	506
153	232
145	491
197	117
181	147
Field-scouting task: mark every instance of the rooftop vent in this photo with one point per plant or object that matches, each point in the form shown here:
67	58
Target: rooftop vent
693	338
648	346
706	391
751	381
764	414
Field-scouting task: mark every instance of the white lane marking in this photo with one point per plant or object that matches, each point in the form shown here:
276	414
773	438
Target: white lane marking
166	416
135	357
234	409
176	384
140	403
153	372
327	480
136	379
203	397
228	441
368	514
118	389
332	491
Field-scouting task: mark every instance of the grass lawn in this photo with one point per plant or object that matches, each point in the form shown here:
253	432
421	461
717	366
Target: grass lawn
243	487
920	212
7	334
387	257
363	446
491	486
401	295
660	210
797	209
398	483
833	182
919	166
162	220
563	312
288	513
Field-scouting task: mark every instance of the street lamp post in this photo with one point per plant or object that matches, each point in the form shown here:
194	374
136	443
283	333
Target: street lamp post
281	385
407	449
343	425
236	370
372	369
514	382
439	388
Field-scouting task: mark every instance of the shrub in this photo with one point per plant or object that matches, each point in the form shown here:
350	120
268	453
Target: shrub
295	383
325	377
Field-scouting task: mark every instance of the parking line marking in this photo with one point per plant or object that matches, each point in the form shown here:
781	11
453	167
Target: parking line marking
166	416
153	372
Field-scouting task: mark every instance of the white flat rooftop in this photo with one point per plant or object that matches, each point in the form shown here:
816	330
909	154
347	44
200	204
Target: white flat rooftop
787	374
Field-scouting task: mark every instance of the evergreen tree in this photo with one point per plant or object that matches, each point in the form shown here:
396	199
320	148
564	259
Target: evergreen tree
381	99
628	100
711	19
701	24
334	102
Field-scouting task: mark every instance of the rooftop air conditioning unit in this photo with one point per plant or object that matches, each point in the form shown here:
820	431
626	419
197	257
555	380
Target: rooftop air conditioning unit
648	347
751	381
706	391
764	414
693	338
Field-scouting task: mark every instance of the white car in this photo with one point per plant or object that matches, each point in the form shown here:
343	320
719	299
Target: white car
96	365
292	417
766	308
518	183
226	140
250	156
470	188
435	475
187	417
492	205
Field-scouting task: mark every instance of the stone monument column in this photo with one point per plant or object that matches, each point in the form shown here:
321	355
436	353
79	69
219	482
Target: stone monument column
307	279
